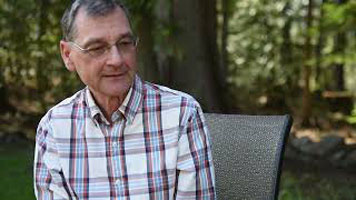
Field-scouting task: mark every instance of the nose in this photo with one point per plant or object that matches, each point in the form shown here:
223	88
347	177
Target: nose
114	57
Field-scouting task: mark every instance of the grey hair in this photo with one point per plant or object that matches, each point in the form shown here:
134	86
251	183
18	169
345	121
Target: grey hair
92	8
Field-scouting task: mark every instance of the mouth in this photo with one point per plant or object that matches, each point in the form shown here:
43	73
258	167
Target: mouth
114	75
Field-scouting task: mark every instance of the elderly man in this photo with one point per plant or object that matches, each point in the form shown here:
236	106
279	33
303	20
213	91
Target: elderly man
119	137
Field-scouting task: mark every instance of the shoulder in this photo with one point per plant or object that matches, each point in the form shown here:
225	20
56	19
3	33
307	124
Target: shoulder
167	95
169	98
63	109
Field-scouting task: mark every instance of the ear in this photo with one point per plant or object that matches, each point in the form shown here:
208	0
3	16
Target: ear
66	51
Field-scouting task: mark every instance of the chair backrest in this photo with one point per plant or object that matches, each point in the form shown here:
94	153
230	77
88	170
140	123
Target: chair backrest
247	152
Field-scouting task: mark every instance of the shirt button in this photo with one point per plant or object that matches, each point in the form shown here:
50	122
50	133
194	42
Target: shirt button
117	182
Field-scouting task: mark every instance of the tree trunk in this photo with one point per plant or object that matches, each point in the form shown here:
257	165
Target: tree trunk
286	50
147	58
5	105
197	70
319	48
340	43
307	101
42	77
164	16
228	105
224	37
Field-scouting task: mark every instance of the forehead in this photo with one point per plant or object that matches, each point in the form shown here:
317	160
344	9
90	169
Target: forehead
106	27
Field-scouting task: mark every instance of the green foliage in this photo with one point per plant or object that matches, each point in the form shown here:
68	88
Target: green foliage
352	118
261	53
309	186
342	16
266	46
31	70
30	63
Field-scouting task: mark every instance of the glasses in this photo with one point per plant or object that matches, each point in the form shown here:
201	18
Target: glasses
125	46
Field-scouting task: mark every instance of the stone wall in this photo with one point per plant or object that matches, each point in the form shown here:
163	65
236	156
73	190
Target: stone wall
332	150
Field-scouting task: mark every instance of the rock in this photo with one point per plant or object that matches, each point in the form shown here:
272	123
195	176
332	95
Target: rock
337	156
304	145
329	145
331	149
324	148
298	142
352	157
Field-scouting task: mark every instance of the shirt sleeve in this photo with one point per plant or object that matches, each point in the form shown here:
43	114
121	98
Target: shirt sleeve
195	171
49	181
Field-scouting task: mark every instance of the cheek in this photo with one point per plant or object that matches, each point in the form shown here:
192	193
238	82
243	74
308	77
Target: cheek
132	63
88	71
84	76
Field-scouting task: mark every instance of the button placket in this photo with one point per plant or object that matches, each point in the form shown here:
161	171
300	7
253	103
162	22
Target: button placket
116	158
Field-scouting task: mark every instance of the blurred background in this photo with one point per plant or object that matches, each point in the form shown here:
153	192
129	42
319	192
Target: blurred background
293	57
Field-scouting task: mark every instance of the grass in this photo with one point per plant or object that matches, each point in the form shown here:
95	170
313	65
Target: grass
16	180
310	186
16	172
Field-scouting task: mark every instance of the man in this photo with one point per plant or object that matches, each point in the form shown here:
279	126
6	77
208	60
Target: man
120	137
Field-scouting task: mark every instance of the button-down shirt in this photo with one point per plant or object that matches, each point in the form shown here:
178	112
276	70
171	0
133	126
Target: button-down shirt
156	147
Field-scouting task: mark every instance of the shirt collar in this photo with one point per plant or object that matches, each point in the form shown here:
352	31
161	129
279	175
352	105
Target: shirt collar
94	110
133	100
129	106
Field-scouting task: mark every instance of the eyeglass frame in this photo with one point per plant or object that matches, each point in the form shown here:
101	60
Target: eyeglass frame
107	48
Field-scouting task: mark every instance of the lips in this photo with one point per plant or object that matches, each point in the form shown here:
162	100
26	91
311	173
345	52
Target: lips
113	75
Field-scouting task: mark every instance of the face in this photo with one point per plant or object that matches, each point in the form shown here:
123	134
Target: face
111	74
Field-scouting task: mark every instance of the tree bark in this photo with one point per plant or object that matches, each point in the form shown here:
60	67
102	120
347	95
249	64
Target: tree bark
307	101
147	58
319	47
5	105
164	16
286	50
340	43
42	78
224	37
197	70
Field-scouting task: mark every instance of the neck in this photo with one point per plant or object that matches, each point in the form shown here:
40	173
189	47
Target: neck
108	104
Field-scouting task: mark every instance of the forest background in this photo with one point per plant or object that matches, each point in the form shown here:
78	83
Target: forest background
293	57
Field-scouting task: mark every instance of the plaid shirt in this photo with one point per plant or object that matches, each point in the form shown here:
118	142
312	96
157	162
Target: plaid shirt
157	147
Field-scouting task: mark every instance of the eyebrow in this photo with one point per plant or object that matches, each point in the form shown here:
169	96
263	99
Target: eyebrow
101	40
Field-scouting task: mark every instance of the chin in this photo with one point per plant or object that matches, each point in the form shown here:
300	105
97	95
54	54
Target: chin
117	90
115	86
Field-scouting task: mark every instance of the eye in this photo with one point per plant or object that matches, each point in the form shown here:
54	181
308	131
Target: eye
96	46
126	42
97	50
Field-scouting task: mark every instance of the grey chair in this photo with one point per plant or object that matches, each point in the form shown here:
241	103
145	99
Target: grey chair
247	153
